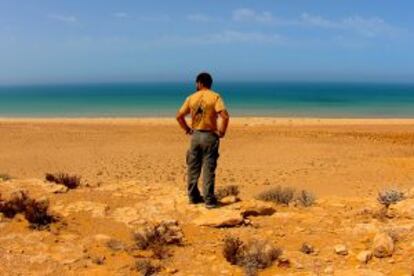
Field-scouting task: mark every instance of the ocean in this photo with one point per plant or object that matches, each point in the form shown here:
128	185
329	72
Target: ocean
281	99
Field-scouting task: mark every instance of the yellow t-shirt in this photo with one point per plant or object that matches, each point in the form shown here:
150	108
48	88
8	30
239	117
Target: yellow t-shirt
204	106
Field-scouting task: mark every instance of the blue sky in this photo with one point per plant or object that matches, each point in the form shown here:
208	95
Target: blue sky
130	40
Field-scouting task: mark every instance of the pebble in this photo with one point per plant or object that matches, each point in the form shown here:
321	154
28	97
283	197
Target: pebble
341	249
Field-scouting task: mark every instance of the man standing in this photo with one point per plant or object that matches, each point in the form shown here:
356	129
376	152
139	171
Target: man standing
205	106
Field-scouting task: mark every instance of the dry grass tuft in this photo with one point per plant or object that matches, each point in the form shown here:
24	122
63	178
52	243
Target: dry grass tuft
35	212
389	197
5	177
70	181
156	237
230	190
251	256
278	195
15	205
146	268
305	198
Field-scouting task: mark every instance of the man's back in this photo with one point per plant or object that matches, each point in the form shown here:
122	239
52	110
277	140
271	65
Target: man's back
204	106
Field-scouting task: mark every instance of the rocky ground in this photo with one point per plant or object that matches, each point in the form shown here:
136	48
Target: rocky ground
94	233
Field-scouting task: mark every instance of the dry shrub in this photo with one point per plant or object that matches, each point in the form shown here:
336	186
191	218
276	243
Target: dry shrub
230	190
146	268
5	177
156	237
305	198
279	195
15	205
252	256
389	197
35	212
70	181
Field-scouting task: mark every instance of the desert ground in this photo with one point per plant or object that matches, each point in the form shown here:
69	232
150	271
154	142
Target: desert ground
133	177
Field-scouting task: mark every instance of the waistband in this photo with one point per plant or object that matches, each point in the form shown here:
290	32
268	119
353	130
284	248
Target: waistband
204	130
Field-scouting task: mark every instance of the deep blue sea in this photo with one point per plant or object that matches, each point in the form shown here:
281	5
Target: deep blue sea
283	99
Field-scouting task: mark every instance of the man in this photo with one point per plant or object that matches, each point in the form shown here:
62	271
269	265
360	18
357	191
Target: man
205	106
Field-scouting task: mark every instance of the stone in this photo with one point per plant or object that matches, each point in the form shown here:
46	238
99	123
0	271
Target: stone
257	208
364	256
341	249
383	245
56	188
307	248
365	229
229	200
283	261
96	209
404	208
358	272
219	218
329	270
127	215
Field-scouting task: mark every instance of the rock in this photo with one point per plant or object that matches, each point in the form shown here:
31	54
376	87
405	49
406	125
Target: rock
55	188
383	245
127	215
307	248
257	208
365	229
283	261
404	208
97	210
229	200
219	218
358	272
341	249
364	256
329	270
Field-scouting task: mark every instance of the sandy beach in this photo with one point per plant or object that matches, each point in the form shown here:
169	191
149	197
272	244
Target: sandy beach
133	170
327	156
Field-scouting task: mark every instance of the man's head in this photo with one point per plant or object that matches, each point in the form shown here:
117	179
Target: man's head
204	80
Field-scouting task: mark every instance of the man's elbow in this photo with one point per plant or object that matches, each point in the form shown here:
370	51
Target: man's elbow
225	115
179	116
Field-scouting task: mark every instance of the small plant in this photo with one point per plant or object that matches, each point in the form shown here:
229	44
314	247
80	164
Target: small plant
5	177
230	190
251	256
35	212
15	205
305	198
279	195
70	181
156	237
389	197
146	268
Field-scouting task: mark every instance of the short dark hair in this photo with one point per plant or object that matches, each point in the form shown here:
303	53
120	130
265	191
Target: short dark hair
205	79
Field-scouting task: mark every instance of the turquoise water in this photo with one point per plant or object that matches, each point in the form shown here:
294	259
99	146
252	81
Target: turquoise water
243	99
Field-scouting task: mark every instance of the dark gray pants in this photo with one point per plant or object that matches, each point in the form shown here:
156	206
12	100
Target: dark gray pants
203	154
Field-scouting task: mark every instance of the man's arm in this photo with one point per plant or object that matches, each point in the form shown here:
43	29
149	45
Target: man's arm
183	123
225	118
